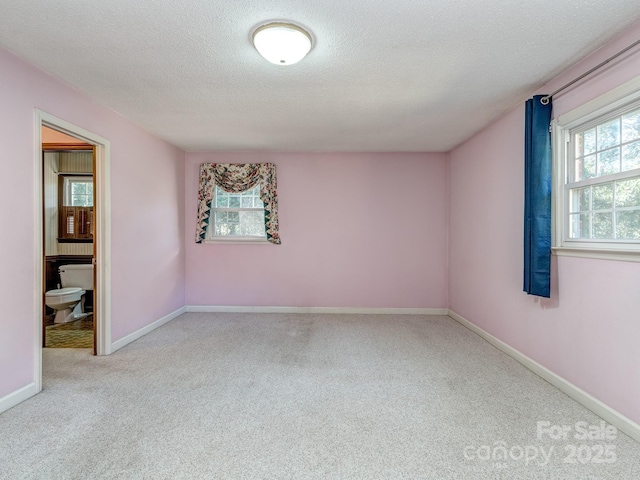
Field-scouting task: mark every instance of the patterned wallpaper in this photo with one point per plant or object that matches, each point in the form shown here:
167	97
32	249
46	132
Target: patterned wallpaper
54	163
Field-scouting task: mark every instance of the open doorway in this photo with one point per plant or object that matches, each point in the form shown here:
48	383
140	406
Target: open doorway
84	231
68	319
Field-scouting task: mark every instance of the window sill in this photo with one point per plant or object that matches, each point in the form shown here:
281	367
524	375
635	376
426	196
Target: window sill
590	252
238	241
75	240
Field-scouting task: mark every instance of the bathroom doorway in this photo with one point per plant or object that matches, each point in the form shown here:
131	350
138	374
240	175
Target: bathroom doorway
68	212
84	231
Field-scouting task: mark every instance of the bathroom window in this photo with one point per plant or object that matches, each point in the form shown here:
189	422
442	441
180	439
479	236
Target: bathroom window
78	192
237	216
75	208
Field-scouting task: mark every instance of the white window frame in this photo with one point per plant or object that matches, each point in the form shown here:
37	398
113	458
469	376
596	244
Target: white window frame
595	111
67	186
212	238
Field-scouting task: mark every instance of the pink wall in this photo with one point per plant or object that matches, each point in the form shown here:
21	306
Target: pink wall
358	230
147	177
588	331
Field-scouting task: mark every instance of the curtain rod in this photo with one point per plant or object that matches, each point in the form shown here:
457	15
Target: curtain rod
544	100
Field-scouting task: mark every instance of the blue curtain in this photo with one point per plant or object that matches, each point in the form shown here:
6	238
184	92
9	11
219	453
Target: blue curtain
537	198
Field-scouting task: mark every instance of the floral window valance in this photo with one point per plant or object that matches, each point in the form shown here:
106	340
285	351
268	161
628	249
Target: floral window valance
236	178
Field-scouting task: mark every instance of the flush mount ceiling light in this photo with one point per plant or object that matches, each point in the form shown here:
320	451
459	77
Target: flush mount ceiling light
282	43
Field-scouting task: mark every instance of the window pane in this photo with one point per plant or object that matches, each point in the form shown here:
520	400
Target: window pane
628	193
233	217
579	225
609	134
628	225
631	126
579	142
239	223
234	229
631	156
603	225
224	224
221	225
590	141
609	162
236	200
589	166
577	169
222	201
222	198
252	223
580	199
78	188
603	196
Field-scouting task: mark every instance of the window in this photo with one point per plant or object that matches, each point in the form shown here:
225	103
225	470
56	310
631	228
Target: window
597	156
75	208
237	202
78	192
238	216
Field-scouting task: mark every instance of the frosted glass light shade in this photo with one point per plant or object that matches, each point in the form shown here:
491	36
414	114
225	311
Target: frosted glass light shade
282	43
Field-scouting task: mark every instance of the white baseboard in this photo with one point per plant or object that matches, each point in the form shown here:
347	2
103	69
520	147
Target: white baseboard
118	344
14	398
604	411
329	310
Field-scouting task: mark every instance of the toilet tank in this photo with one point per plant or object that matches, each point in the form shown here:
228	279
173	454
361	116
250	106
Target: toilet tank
77	276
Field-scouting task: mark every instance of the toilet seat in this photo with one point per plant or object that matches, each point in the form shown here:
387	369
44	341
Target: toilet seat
63	297
63	291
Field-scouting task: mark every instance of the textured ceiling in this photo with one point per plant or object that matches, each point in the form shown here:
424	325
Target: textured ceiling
383	75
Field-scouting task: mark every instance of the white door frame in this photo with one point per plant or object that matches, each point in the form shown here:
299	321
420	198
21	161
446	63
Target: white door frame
102	237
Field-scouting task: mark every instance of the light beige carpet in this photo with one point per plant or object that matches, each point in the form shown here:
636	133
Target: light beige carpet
239	396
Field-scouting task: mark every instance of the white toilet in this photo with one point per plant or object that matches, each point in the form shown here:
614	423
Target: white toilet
68	302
